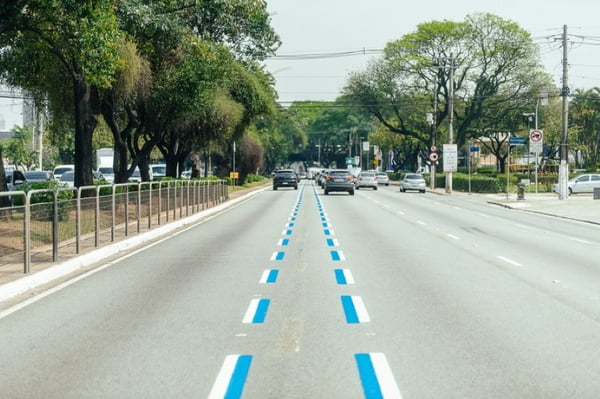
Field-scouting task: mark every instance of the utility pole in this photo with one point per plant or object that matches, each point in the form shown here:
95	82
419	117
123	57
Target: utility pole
434	128
563	171
450	119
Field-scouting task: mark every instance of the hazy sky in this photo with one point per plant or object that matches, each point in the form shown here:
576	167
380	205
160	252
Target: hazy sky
332	26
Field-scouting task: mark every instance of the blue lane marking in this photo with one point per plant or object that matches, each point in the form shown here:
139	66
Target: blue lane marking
325	224
272	278
289	225
337	255
277	255
238	378
284	242
261	311
340	277
292	219
349	310
368	377
327	232
287	232
330	242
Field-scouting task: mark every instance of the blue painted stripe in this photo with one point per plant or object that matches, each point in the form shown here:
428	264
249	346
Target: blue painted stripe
289	225
273	276
327	232
238	378
330	242
287	232
349	310
261	311
340	277
368	377
325	224
285	242
337	255
279	255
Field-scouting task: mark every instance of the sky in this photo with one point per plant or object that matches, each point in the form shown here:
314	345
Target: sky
336	26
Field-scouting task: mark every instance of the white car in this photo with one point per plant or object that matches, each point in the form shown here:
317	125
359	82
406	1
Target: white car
60	169
582	184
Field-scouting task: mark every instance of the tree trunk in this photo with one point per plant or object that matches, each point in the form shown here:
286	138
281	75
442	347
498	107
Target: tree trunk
85	123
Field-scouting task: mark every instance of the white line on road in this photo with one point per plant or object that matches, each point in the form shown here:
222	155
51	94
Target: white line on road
453	236
580	240
512	262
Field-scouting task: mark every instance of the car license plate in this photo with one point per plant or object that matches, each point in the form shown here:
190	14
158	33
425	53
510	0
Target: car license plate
338	180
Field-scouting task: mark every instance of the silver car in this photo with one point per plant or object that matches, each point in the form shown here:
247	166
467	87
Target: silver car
582	184
413	181
383	178
366	179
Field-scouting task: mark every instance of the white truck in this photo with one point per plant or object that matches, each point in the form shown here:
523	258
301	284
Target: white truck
104	163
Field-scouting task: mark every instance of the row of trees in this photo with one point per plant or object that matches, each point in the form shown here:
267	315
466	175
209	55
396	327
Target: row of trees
497	83
175	76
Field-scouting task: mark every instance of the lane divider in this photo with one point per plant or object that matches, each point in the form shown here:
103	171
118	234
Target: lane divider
277	255
257	311
337	256
269	276
355	309
376	376
343	276
231	378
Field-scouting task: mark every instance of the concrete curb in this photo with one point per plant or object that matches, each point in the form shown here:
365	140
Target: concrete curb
29	282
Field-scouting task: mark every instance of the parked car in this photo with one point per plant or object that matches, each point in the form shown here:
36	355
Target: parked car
383	178
60	169
108	173
158	170
285	178
339	180
15	178
67	178
34	176
413	181
366	179
581	184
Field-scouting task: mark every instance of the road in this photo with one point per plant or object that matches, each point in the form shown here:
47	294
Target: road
294	294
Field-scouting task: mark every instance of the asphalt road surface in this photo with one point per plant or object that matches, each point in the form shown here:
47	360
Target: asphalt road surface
294	294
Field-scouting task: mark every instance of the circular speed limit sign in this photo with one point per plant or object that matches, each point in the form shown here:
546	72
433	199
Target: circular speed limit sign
433	156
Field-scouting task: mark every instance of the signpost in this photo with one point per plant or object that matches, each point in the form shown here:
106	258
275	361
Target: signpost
536	145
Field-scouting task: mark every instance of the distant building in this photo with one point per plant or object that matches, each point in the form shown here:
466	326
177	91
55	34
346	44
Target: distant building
15	110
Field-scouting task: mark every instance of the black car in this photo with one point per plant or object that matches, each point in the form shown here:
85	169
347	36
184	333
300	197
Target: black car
285	178
339	180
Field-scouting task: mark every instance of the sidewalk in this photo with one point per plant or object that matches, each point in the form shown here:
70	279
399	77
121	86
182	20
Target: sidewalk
581	207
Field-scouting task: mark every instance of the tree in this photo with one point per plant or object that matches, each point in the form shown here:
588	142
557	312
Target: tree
51	45
495	70
585	123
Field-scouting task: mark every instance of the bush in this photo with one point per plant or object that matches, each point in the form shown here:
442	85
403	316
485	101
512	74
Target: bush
46	199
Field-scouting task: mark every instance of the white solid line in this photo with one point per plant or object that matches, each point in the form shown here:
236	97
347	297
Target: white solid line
219	388
421	223
387	382
512	262
453	236
249	316
361	310
579	240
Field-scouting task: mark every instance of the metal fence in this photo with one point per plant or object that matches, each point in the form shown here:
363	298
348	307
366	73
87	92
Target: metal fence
52	225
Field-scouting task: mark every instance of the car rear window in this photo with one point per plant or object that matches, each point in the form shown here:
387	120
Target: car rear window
339	173
413	177
367	174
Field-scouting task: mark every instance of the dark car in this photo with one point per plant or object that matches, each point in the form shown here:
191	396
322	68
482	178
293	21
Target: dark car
339	180
285	178
34	176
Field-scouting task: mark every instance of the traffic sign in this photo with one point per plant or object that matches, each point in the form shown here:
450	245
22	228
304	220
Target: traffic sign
536	141
433	156
514	140
536	135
